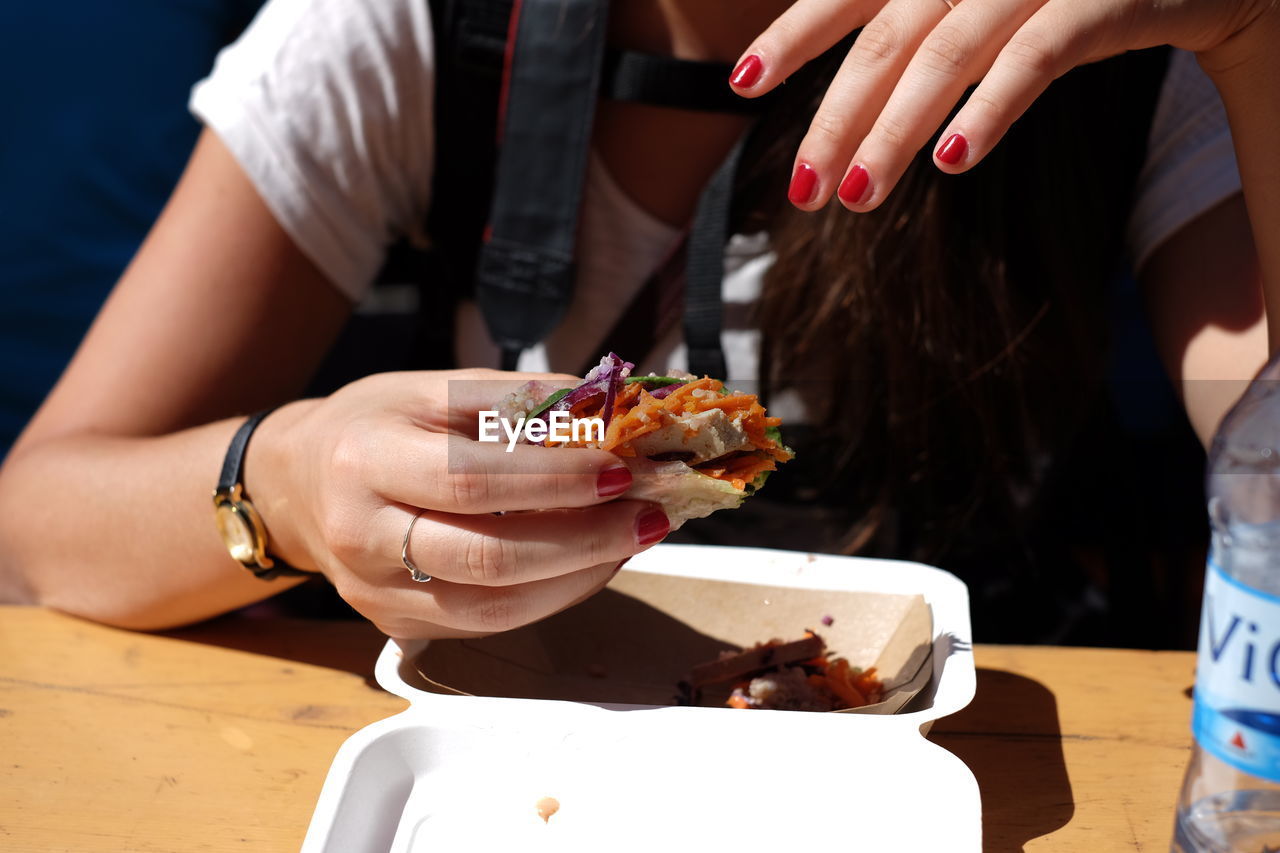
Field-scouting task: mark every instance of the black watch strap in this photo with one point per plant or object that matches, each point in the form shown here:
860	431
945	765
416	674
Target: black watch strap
232	467
234	461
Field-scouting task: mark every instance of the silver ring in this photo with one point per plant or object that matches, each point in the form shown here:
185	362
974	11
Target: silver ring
414	572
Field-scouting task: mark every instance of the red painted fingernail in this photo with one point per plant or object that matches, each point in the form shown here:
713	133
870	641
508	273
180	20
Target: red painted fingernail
613	481
618	568
854	186
953	150
747	72
804	184
651	526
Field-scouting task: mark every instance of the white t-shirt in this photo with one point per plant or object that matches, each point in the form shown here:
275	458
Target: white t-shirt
328	107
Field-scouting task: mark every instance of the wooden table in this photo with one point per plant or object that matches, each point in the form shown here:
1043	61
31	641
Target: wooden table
218	737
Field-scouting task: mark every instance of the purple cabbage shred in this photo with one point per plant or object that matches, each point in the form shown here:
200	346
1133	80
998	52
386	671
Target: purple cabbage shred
605	378
665	390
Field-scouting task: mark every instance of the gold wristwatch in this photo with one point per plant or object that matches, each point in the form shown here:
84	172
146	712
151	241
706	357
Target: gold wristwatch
239	524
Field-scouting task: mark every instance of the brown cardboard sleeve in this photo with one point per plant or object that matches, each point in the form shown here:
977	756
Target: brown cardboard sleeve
635	641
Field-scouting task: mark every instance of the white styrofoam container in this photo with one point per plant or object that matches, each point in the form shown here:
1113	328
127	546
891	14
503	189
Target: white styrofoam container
463	773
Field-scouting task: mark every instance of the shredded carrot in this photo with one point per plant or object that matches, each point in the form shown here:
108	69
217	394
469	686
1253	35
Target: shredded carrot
636	412
867	682
644	416
847	692
832	678
728	402
627	399
740	469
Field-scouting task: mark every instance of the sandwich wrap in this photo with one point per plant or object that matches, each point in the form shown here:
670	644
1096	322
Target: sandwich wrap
692	445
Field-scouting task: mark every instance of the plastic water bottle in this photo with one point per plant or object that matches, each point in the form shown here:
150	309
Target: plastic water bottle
1230	801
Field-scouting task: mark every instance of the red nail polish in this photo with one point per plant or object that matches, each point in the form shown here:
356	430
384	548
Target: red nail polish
747	72
613	481
854	186
617	569
651	526
953	150
804	184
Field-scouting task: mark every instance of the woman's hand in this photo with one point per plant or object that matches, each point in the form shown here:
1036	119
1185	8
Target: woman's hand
104	501
914	59
339	480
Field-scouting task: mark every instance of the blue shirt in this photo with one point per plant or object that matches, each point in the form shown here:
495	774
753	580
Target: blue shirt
95	135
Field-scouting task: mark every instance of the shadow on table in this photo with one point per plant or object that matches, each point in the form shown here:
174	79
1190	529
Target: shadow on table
1011	739
349	645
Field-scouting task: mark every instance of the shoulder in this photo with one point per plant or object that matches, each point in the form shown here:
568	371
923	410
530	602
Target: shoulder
332	61
328	107
319	35
1190	165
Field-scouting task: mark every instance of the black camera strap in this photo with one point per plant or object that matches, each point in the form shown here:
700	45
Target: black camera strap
704	271
554	65
683	84
551	82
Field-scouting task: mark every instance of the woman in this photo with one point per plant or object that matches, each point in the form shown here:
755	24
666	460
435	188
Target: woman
250	272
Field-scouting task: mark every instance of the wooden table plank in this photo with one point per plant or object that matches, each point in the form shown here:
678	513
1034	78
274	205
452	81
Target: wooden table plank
111	740
1076	749
218	737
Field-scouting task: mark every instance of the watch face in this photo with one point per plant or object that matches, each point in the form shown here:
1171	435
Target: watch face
237	534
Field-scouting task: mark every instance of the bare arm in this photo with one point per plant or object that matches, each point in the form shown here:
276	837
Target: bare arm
1246	70
1204	300
104	500
1207	287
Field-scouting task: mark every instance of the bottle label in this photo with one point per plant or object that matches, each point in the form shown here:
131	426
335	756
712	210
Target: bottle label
1237	695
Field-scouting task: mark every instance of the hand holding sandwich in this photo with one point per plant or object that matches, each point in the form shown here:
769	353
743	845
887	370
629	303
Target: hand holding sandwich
374	454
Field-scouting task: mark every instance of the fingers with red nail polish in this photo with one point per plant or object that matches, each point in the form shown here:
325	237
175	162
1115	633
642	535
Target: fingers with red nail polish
747	73
652	526
855	187
613	481
804	185
953	150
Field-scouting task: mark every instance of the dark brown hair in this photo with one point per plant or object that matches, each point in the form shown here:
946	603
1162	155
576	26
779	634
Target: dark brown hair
949	342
